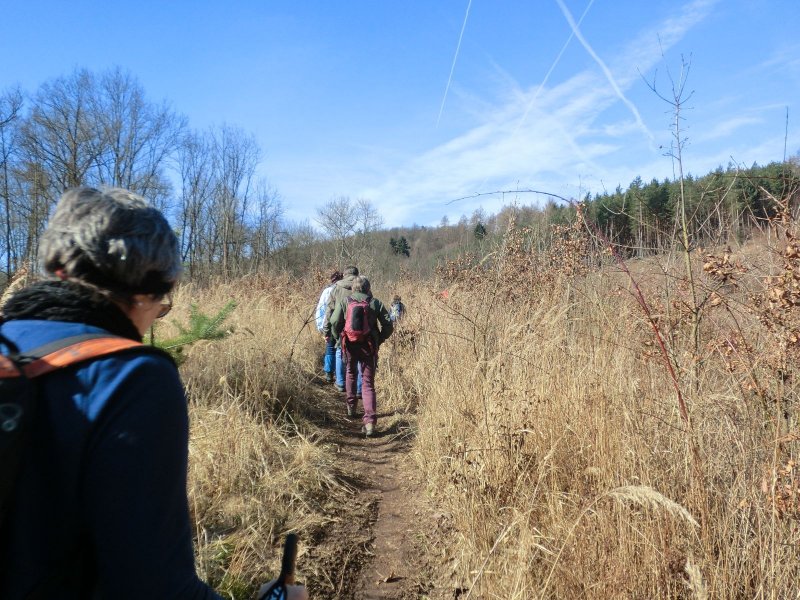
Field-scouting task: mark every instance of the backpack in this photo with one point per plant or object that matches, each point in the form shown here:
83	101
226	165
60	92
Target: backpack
357	322
19	397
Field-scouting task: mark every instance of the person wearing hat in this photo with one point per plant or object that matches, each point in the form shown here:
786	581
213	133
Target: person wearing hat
99	507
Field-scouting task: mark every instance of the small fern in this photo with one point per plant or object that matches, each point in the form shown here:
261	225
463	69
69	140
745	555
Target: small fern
200	327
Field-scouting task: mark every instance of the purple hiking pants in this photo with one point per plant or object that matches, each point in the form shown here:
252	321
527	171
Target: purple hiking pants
353	355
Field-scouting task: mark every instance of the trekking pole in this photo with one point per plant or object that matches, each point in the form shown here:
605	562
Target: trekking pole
277	591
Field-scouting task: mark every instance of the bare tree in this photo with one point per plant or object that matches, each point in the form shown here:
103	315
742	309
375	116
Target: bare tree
216	213
10	108
87	129
236	158
197	181
138	137
62	134
368	218
338	220
350	225
266	235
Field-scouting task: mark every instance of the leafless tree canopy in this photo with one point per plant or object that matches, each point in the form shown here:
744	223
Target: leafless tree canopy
101	129
350	224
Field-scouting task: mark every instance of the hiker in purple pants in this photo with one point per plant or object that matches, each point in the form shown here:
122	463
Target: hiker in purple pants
361	324
355	357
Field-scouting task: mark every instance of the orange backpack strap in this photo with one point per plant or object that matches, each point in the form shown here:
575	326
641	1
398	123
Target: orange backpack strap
64	352
8	368
78	352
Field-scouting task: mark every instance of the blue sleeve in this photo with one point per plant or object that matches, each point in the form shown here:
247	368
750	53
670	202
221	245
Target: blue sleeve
135	486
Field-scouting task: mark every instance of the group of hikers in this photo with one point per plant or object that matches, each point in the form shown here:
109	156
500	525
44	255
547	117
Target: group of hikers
94	427
354	325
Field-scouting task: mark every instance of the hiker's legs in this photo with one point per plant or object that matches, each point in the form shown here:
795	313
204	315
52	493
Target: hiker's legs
339	368
367	360
329	362
351	370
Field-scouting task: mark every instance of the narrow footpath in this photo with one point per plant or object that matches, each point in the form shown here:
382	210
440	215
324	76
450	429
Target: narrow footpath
374	548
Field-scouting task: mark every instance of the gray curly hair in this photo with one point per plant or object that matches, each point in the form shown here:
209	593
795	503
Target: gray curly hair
113	240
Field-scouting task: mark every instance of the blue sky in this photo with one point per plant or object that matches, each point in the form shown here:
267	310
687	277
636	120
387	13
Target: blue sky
417	103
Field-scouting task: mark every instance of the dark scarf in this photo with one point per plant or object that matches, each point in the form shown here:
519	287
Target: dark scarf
70	302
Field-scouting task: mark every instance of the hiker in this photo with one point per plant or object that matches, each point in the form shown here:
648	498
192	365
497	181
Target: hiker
397	310
361	324
99	508
342	290
329	362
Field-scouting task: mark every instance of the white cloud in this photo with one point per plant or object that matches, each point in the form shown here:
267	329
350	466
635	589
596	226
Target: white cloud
786	59
543	138
727	127
606	71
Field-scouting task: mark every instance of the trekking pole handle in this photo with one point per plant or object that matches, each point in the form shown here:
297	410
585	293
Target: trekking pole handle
289	559
278	591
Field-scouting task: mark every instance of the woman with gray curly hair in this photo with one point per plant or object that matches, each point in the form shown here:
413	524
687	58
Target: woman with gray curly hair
99	507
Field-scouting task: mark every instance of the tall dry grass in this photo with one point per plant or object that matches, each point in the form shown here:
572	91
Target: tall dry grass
261	464
550	434
544	422
258	467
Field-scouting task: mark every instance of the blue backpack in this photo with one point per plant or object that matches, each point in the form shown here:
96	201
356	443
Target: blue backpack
19	396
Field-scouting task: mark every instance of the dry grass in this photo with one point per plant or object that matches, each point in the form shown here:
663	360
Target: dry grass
258	468
259	462
547	406
545	425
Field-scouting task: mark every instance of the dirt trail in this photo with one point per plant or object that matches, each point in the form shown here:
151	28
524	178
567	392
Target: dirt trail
372	551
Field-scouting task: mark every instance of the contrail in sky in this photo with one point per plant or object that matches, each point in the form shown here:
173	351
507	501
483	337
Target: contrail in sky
453	68
552	67
604	68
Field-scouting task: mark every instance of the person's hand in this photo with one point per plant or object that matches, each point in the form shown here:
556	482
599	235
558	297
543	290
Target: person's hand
293	592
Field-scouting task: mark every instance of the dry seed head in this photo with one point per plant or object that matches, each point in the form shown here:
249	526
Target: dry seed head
696	582
649	498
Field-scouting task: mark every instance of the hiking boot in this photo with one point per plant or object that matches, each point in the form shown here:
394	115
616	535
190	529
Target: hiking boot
351	412
368	430
329	377
340	388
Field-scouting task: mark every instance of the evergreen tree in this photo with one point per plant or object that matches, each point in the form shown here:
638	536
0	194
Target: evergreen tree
403	247
400	246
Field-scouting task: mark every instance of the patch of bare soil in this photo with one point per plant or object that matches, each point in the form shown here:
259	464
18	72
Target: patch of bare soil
374	546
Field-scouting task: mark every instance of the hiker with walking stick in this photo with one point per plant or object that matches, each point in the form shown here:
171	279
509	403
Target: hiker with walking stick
94	494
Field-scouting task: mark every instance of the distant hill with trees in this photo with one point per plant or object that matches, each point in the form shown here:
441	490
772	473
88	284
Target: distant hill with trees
90	128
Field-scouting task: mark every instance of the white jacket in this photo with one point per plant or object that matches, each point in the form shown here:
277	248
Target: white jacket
322	306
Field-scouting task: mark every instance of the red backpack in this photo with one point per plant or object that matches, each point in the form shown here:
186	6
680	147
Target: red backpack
357	322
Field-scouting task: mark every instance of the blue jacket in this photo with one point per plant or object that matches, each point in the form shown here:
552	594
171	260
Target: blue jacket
102	494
